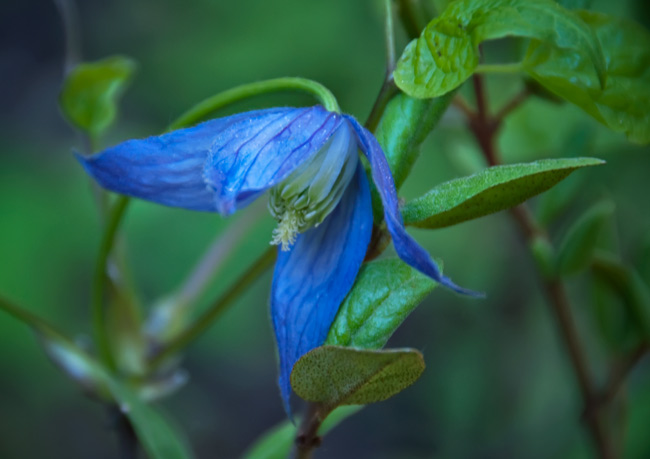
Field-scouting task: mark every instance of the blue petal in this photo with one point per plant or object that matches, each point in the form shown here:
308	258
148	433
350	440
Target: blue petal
251	156
312	279
219	165
405	246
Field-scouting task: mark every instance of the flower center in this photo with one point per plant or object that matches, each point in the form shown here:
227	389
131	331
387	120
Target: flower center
288	228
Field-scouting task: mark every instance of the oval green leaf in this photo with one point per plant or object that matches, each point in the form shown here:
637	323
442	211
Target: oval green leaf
623	104
334	375
384	294
447	53
90	91
492	190
579	244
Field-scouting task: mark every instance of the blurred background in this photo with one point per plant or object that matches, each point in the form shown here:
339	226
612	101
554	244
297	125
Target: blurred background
498	382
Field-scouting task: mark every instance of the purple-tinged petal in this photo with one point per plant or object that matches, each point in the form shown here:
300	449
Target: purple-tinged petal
405	246
254	154
312	279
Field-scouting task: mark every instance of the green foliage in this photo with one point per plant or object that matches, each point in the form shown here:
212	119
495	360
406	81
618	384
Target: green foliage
579	244
622	105
494	189
91	90
619	281
447	53
334	375
277	442
384	294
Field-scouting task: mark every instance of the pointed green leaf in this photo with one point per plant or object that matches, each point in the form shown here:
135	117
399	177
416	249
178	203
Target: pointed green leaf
579	244
384	294
623	104
447	53
335	375
277	442
90	92
159	439
494	189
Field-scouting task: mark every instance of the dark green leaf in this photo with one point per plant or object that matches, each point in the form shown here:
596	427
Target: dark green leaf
623	104
629	286
446	53
334	375
384	294
90	92
489	191
576	4
579	244
277	442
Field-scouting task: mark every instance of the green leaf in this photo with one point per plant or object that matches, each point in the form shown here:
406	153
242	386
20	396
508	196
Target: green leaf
159	439
576	4
277	442
156	435
91	90
384	294
579	244
629	286
494	189
447	51
334	375
623	104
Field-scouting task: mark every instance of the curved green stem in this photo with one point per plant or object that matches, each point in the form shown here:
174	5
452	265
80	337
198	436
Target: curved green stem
99	329
203	109
203	322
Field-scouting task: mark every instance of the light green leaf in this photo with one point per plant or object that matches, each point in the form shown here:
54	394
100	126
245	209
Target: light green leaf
90	92
384	294
334	375
623	104
277	442
579	244
446	53
494	189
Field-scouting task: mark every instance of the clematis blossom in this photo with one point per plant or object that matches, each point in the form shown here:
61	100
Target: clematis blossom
319	194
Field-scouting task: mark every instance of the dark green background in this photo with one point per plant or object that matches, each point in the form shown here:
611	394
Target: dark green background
498	382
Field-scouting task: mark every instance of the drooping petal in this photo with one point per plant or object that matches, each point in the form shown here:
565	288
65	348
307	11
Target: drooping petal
219	165
405	246
253	155
312	279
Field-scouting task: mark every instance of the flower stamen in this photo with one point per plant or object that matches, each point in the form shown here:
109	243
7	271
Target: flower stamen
288	228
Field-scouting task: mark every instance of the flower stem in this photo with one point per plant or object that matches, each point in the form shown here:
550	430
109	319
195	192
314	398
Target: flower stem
204	109
219	306
99	280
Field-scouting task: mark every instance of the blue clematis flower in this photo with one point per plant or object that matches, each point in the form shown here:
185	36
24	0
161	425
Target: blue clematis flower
319	193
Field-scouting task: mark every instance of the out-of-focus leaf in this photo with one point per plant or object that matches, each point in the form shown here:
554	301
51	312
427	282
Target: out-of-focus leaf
579	244
334	375
159	439
576	4
384	294
622	105
90	92
494	189
126	336
277	442
446	53
627	283
544	255
161	386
